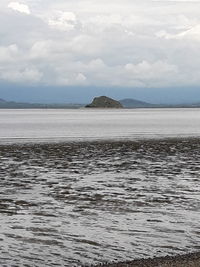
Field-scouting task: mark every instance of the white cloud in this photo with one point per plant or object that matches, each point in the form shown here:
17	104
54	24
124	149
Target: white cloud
8	53
70	78
150	70
81	77
21	76
193	34
155	73
40	50
85	42
19	7
63	21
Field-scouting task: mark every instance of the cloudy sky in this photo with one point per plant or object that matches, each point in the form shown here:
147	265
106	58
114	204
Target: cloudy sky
67	50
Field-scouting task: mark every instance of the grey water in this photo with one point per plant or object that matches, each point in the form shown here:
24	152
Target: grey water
84	124
68	203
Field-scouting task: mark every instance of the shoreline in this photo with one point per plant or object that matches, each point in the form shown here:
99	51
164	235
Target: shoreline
119	140
185	260
89	141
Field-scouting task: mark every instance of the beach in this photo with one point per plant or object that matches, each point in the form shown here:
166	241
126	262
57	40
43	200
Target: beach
78	203
186	260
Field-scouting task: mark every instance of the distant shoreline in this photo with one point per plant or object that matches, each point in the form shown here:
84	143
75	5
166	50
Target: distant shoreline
83	107
125	104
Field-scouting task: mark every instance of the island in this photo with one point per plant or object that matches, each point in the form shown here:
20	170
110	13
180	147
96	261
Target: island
104	102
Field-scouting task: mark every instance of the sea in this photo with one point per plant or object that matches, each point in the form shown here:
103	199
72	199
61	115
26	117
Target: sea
91	124
86	186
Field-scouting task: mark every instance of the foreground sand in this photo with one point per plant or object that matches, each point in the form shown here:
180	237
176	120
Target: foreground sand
69	204
187	260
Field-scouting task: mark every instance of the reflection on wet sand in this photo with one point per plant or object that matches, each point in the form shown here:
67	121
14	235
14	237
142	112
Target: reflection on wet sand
68	204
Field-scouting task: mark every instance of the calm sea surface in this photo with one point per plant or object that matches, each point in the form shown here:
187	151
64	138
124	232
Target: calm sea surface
41	125
72	203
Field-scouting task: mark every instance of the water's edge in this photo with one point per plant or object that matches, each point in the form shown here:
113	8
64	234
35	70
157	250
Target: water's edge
185	260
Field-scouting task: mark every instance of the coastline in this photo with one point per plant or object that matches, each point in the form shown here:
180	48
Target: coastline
97	141
185	260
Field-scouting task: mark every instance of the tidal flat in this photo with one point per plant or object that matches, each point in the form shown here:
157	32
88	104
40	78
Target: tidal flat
78	203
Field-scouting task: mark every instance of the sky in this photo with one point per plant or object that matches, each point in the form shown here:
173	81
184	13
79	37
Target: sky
73	50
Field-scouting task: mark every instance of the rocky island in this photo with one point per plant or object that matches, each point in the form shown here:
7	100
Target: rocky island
104	102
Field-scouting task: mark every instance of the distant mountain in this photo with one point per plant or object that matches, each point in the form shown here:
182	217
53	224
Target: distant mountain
133	103
104	102
101	102
20	105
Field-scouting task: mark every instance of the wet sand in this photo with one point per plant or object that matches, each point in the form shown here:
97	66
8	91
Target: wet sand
186	260
70	204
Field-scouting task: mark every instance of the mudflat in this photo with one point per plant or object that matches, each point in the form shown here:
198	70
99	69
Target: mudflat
187	260
70	204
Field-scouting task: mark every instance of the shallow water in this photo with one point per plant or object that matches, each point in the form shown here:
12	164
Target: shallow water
83	124
67	204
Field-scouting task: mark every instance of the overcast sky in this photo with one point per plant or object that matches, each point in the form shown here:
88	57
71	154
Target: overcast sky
99	43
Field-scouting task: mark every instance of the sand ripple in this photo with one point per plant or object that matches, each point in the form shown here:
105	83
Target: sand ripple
74	203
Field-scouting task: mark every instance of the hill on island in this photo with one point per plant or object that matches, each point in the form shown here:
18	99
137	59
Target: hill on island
104	102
